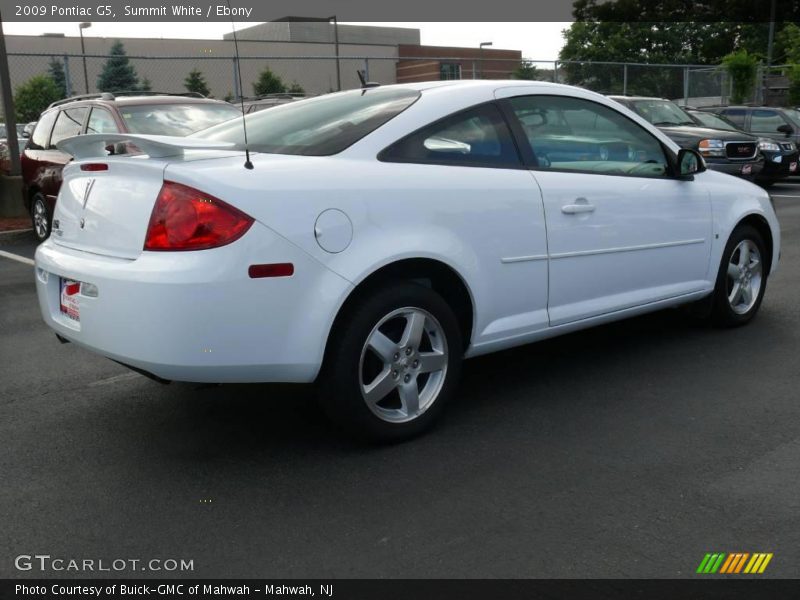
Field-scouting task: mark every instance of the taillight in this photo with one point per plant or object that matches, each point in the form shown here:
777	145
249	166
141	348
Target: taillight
187	219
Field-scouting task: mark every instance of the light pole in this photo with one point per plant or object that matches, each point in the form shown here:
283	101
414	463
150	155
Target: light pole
480	55
81	27
335	22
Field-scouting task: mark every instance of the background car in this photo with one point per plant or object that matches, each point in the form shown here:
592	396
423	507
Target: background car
780	157
372	239
735	153
781	123
152	113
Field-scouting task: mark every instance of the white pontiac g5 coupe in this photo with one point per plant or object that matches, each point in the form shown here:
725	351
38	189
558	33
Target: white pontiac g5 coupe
383	235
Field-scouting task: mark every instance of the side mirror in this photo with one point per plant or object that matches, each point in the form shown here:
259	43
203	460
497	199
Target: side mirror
26	134
689	163
785	128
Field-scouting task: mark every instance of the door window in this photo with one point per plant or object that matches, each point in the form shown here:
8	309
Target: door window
766	121
476	137
68	123
570	134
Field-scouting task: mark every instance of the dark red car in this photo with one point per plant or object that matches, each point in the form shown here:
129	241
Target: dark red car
159	114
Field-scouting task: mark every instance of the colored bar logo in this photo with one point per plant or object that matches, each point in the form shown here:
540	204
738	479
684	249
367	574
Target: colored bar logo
735	562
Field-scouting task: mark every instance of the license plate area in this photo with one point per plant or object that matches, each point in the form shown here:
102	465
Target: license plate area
747	169
69	292
792	167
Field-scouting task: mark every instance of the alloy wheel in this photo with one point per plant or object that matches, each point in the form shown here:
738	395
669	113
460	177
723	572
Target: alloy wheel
40	218
403	365
744	277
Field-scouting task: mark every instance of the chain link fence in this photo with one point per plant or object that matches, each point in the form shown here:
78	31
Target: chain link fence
318	74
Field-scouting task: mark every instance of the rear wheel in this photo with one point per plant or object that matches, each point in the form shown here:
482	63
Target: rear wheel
40	217
742	278
393	362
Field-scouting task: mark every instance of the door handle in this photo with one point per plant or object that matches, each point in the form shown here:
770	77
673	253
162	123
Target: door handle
581	206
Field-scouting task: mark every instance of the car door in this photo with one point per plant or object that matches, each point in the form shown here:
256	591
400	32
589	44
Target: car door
621	231
766	122
482	207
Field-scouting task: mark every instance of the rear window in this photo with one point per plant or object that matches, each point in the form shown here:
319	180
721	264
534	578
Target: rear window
318	126
175	119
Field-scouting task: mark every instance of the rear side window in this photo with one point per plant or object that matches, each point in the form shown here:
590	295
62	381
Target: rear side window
68	123
766	121
477	137
38	140
735	115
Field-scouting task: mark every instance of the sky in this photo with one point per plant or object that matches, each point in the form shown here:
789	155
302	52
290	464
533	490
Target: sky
538	41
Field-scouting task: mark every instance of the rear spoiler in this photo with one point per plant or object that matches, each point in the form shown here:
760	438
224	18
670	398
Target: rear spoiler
93	145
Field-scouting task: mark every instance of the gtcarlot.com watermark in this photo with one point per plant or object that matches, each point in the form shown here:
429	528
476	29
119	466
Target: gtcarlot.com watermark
45	563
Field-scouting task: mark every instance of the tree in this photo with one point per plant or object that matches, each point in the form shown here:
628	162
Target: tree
196	82
296	88
742	68
145	86
118	73
35	95
56	71
630	31
268	83
525	70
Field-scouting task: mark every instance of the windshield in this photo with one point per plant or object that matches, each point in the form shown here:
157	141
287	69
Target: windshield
714	121
318	126
175	119
662	112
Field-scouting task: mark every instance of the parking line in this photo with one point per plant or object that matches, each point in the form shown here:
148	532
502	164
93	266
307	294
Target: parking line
115	379
23	259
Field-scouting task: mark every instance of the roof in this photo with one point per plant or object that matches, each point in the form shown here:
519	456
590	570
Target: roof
618	97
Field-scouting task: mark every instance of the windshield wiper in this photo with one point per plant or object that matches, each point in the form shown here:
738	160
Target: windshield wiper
665	123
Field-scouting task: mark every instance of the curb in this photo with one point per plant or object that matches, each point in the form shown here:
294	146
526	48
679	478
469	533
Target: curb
15	234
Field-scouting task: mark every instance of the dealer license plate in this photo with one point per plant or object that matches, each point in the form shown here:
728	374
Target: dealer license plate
747	169
69	299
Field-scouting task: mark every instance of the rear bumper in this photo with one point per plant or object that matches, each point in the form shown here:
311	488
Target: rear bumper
198	316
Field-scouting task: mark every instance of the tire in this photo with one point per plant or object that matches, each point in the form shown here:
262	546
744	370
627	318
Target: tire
377	357
738	291
40	217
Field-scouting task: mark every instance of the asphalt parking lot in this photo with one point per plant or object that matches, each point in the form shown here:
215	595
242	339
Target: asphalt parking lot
629	450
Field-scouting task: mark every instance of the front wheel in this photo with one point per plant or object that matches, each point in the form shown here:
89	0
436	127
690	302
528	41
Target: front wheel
393	362
742	278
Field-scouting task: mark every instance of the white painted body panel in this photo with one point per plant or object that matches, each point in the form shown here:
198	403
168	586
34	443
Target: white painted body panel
531	271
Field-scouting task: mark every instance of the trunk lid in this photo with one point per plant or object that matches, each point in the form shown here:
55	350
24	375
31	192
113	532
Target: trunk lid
107	212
